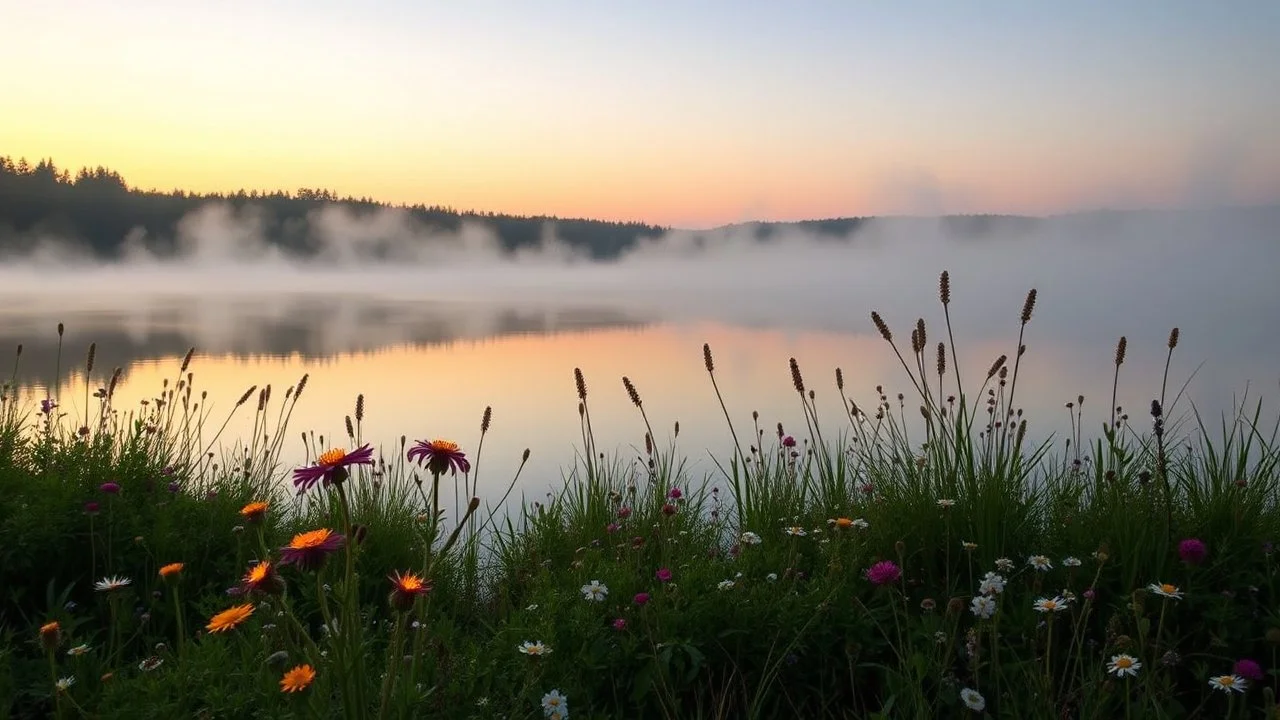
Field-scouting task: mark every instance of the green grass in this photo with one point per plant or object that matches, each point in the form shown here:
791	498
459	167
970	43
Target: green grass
768	611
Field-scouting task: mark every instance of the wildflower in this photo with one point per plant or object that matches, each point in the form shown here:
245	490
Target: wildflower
928	605
796	531
533	649
174	487
750	538
440	455
47	405
229	618
1004	564
308	550
1166	590
1248	669
594	591
968	546
92	508
725	585
297	679
331	467
1124	665
842	523
771	577
1040	562
624	513
406	588
111	584
620	624
674	493
65	683
641	599
788	441
669	509
261	578
1048	605
663	575
110	488
860	524
1192	551
884	572
170	572
973	699
149	664
612	528
1090	594
78	650
1228	683
992	584
254	512
555	702
1071	562
51	635
983	607
946	503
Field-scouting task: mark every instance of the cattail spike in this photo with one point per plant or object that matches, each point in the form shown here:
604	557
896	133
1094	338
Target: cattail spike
302	384
839	380
93	351
1173	338
995	367
924	339
942	359
944	287
631	391
486	419
1121	347
706	358
795	376
186	360
581	382
1028	306
881	326
360	407
351	431
245	397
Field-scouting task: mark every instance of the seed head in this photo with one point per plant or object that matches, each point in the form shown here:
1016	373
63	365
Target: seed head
186	360
942	359
581	383
1028	306
360	407
631	391
302	384
486	419
60	329
706	357
924	339
944	287
879	323
350	430
245	397
795	377
1173	338
839	379
995	366
93	350
1120	350
115	379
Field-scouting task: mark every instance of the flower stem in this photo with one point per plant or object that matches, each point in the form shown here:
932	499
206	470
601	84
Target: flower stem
393	666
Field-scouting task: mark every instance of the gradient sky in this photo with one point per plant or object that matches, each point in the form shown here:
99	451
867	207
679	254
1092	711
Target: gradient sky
678	113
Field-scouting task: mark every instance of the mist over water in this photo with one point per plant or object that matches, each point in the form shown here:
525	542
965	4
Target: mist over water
434	326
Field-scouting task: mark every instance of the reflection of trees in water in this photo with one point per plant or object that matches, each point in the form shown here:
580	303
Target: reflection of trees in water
311	327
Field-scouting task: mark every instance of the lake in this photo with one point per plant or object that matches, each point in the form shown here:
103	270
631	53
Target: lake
431	344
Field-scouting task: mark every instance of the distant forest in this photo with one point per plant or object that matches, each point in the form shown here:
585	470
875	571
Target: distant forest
97	209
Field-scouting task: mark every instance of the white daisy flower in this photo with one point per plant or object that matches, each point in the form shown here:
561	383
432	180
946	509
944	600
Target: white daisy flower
1122	665
555	702
111	584
973	699
992	584
78	650
1166	590
1004	564
725	585
1071	562
1048	605
535	648
150	664
946	503
750	538
1040	562
796	531
64	683
861	524
983	606
594	591
1228	683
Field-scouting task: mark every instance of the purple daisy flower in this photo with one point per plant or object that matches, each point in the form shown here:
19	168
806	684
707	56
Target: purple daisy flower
440	455
331	466
309	550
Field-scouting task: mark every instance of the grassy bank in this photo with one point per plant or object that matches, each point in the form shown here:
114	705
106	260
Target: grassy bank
915	558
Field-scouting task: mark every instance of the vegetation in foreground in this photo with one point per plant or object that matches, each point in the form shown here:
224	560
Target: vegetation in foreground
876	567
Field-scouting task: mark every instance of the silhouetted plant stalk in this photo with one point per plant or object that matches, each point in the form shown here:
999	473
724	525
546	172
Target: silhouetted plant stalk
743	483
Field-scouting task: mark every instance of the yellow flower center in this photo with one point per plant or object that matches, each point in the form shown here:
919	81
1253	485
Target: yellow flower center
1170	589
844	522
311	539
1050	605
1227	680
444	446
1124	663
332	457
409	583
258	573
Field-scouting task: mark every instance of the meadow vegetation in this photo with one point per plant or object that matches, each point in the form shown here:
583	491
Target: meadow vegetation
916	558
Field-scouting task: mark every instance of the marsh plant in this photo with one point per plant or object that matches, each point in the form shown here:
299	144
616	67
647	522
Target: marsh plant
917	556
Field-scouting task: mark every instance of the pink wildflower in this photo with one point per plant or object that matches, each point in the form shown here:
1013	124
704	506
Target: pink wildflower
884	572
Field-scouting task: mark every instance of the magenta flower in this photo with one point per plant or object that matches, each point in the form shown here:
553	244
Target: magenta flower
624	513
669	509
308	550
174	487
884	572
675	493
47	406
91	508
110	488
1192	551
1248	669
440	455
664	575
1090	594
331	466
641	599
612	528
620	624
788	441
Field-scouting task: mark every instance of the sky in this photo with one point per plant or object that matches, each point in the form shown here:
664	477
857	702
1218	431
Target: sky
675	113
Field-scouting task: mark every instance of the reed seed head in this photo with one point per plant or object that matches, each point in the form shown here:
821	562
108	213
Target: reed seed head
93	351
245	397
881	326
677	429
186	360
1173	338
61	328
995	366
525	458
706	358
351	432
1121	347
944	287
648	444
486	419
302	384
631	391
839	379
115	379
795	376
1028	306
262	399
924	339
916	345
581	383
942	359
1156	410
360	407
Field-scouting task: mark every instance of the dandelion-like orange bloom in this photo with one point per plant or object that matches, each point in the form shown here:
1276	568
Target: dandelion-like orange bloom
228	619
844	523
297	679
331	466
407	588
51	634
254	511
171	571
440	455
308	550
261	578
